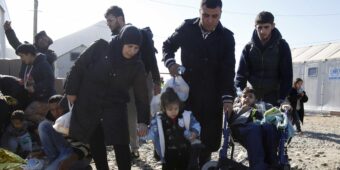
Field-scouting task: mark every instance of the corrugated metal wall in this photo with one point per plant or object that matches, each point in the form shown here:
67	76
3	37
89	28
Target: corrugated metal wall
323	90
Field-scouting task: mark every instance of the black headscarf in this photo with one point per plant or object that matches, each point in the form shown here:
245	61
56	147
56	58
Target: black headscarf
130	35
127	35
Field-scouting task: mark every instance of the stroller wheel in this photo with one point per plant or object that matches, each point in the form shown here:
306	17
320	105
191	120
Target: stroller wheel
211	165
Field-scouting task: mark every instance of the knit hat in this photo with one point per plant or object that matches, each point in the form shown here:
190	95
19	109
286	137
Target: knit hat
18	114
130	35
41	34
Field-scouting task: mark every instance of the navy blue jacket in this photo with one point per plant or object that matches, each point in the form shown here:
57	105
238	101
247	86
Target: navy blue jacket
268	68
43	77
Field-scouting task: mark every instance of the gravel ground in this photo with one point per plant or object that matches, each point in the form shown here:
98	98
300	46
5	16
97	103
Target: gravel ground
317	148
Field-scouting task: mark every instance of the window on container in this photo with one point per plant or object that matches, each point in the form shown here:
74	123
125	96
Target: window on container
312	72
74	56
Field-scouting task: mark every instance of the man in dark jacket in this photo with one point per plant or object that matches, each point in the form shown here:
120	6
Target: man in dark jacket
41	42
266	62
115	21
38	80
207	53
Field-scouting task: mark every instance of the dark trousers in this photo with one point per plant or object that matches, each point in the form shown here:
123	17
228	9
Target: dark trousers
296	120
98	151
176	159
204	157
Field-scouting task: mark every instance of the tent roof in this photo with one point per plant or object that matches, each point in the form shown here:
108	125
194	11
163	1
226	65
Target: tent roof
83	37
316	52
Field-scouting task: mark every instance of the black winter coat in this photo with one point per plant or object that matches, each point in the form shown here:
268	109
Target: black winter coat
268	68
42	74
100	79
148	55
210	71
293	98
51	57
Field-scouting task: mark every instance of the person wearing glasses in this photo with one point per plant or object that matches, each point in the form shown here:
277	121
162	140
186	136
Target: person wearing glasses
266	62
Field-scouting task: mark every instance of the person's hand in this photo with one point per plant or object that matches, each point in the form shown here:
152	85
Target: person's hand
7	25
21	82
174	69
30	89
227	109
193	136
71	98
142	129
156	89
302	94
286	106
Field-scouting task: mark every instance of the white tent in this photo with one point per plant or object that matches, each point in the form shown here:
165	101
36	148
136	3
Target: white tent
319	67
73	44
3	16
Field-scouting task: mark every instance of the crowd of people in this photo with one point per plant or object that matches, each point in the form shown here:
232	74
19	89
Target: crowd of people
112	83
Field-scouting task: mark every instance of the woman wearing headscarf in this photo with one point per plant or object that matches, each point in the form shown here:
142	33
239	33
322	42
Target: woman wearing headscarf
98	87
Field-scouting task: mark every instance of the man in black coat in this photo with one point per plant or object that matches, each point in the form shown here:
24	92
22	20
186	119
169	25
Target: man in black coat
266	62
41	42
207	53
116	21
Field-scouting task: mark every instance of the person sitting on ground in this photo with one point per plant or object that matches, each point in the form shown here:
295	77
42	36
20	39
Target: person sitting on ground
62	152
7	103
41	41
169	126
16	137
260	140
38	80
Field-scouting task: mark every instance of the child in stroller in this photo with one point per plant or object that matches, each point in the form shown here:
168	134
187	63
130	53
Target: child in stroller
259	137
260	140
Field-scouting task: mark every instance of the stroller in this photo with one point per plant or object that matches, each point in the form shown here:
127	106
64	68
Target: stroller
225	163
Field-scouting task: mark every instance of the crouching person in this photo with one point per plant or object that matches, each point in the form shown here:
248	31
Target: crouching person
16	137
62	152
175	134
260	140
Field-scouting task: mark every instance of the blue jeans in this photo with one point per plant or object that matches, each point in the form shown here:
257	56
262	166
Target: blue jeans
56	147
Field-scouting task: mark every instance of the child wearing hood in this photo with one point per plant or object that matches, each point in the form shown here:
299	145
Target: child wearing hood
174	132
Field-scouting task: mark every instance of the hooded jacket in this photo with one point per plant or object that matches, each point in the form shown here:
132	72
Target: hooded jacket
268	68
42	75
